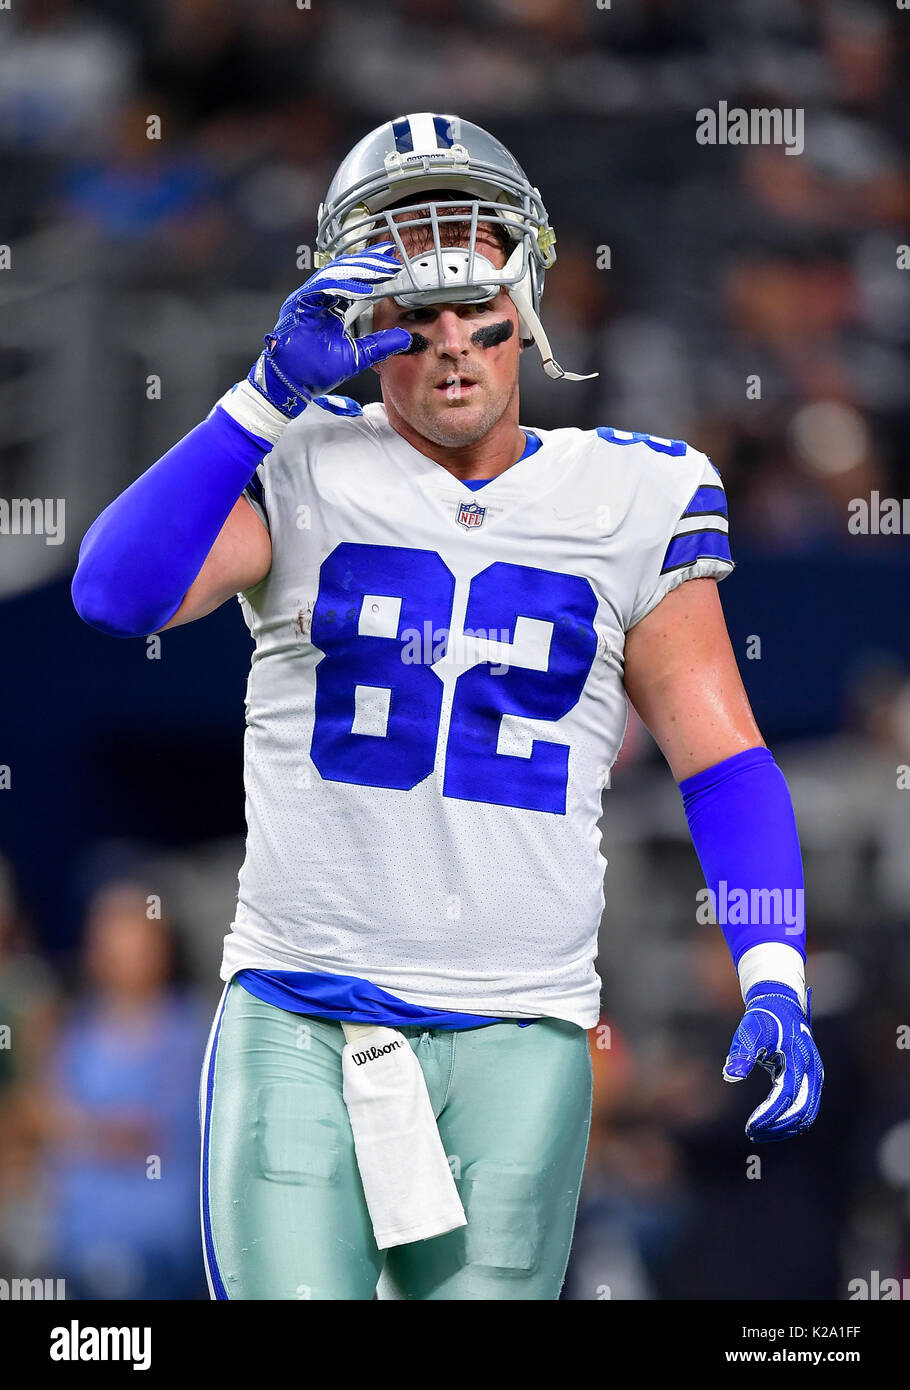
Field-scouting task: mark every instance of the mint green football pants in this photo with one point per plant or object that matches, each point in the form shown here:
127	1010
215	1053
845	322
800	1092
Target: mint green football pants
283	1211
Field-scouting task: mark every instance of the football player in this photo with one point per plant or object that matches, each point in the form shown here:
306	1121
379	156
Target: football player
450	610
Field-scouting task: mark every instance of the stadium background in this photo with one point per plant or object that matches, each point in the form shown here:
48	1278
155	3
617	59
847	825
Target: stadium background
121	828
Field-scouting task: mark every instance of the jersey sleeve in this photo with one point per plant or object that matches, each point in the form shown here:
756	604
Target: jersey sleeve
264	481
688	541
254	492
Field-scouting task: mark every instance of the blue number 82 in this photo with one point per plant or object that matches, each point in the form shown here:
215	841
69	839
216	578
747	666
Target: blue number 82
415	590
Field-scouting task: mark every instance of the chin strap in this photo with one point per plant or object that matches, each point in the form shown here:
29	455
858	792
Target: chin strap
418	283
533	328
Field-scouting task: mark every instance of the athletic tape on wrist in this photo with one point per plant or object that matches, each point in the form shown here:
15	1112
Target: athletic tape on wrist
250	409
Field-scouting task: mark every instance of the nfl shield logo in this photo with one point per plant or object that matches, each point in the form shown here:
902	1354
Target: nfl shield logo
470	514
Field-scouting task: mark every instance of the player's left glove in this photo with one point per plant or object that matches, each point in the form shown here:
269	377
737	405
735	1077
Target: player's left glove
777	1035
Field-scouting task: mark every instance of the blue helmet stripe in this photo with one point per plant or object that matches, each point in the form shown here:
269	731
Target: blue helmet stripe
404	141
443	128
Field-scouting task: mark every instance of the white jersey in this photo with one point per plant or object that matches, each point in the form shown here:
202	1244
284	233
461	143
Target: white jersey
436	699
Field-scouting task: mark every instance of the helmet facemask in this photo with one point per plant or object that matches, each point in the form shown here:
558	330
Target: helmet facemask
442	262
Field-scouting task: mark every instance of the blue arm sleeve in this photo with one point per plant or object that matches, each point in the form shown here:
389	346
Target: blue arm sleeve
139	558
743	828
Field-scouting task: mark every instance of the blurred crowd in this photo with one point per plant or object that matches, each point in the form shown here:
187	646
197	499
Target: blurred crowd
724	265
99	1126
684	273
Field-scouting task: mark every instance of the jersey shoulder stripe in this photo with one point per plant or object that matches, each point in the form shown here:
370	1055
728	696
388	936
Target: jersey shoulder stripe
702	531
697	545
707	500
339	405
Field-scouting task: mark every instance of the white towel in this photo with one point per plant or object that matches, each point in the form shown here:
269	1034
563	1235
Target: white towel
407	1182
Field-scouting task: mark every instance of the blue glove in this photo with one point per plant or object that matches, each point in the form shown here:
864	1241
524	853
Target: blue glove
777	1035
309	351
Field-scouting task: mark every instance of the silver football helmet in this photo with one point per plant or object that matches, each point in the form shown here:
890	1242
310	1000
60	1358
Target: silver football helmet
422	152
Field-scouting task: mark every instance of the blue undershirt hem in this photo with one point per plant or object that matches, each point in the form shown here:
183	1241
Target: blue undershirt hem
350	999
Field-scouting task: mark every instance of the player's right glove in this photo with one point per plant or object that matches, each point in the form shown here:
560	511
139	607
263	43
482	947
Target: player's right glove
309	351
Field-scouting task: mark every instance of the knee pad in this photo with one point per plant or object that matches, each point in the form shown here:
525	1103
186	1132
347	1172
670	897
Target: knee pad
502	1202
302	1132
